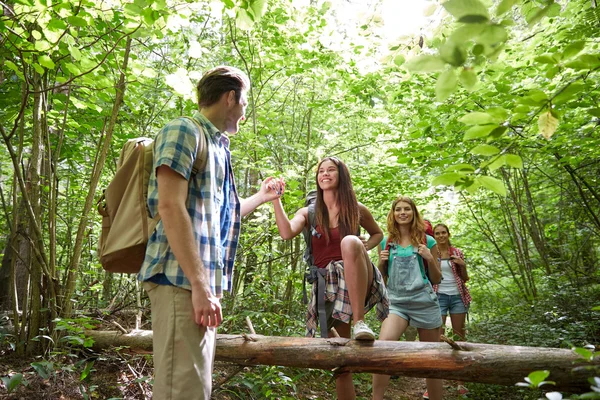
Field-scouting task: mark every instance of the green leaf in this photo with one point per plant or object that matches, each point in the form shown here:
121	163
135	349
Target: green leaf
56	25
40	369
493	184
42	45
468	78
586	354
46	62
476	118
485	150
453	54
497	163
498	132
11	65
479	131
39	69
505	6
78	21
12	382
73	68
498	113
537	377
425	63
461	167
447	179
573	49
596	113
492	35
546	59
399	60
569	92
547	124
467	11
87	370
513	160
466	32
445	85
258	8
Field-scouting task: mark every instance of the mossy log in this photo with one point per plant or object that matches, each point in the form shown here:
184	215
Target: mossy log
476	362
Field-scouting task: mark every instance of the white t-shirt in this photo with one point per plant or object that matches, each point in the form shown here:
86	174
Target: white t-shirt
448	284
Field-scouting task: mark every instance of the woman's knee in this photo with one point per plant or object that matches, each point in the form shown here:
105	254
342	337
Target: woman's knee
351	245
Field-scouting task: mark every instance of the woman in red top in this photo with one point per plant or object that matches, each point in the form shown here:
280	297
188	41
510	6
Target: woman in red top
353	283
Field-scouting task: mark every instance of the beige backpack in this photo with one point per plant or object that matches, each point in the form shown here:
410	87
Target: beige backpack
126	221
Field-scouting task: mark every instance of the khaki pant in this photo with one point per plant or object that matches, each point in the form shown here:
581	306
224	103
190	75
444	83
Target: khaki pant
184	352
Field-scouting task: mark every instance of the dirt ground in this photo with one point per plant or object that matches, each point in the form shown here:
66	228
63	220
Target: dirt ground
115	376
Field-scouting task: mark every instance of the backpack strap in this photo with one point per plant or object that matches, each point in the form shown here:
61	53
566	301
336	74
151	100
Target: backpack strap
202	150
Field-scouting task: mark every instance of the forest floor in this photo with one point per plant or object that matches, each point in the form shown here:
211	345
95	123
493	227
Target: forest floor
120	377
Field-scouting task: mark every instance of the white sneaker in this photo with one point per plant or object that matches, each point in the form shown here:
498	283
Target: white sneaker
362	332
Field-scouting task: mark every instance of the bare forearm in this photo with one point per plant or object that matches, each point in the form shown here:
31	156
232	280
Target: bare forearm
374	240
284	224
250	204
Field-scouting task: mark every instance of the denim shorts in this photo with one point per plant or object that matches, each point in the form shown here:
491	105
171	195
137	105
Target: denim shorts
421	311
452	303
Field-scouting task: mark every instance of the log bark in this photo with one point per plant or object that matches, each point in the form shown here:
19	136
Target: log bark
483	363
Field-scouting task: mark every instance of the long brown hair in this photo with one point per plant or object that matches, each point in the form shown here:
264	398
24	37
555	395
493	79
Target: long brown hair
349	215
447	230
417	227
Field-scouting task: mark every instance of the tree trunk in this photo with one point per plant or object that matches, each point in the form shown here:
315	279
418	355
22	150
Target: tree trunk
483	363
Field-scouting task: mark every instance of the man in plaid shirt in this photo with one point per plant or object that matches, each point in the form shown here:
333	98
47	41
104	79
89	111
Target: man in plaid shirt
189	257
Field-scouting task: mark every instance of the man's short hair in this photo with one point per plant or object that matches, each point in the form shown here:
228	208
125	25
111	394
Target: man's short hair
221	80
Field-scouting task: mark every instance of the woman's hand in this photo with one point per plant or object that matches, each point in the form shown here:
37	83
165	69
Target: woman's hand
384	256
272	188
425	253
458	261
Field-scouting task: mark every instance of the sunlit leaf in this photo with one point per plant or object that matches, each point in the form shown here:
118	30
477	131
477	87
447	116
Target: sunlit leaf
478	131
513	160
573	49
485	150
492	35
447	179
546	59
547	124
467	10
493	184
425	63
399	59
78	21
445	85
505	6
476	118
468	78
453	54
584	353
497	162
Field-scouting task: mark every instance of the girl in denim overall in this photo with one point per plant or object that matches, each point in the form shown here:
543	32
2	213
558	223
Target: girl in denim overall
406	259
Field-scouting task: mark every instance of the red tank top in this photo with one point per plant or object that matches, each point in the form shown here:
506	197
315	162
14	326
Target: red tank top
324	253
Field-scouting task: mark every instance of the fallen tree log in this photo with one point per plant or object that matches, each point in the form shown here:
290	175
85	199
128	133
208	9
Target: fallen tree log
483	363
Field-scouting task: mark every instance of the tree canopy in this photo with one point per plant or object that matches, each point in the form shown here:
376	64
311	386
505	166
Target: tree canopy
488	116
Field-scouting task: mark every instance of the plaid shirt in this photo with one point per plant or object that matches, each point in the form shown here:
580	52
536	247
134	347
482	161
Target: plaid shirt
337	292
175	146
462	288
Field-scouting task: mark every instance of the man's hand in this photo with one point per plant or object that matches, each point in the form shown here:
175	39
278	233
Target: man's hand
207	308
272	188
